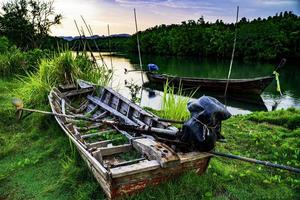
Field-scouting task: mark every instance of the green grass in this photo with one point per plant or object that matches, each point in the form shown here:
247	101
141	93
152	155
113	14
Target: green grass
174	103
36	159
38	162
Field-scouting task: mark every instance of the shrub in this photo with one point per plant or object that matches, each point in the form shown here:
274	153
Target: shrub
14	61
11	62
4	44
4	65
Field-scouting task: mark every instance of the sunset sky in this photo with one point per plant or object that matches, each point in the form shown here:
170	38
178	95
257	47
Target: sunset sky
119	13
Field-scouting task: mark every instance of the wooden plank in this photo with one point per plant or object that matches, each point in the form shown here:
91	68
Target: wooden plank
133	108
85	84
81	108
114	102
132	183
91	108
102	115
105	151
97	133
120	102
63	106
76	133
97	101
130	103
140	167
98	144
139	122
78	92
124	133
128	162
200	165
192	156
104	182
156	151
67	87
57	94
94	125
98	156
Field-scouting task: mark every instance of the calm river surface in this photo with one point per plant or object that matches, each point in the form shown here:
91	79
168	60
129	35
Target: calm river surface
187	66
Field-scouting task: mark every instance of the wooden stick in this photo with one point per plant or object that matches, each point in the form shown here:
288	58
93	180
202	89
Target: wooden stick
121	126
138	44
139	51
109	47
260	162
233	50
89	29
282	62
135	70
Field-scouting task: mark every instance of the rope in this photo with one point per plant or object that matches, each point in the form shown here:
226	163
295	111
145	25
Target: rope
233	50
205	125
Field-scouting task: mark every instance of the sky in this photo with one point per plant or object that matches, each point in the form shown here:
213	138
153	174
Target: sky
119	13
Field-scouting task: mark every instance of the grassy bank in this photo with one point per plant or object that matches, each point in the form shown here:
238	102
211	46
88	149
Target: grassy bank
38	162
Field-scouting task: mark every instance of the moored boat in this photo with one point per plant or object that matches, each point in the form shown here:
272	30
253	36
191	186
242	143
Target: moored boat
123	162
235	86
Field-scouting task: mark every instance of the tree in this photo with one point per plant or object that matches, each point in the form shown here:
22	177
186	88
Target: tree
27	22
201	20
41	14
14	23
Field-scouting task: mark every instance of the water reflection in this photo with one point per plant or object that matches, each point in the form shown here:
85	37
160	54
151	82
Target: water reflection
270	99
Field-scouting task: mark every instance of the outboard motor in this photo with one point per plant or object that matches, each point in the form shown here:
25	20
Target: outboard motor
204	127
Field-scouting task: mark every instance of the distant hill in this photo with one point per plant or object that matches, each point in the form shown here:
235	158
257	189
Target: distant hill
70	38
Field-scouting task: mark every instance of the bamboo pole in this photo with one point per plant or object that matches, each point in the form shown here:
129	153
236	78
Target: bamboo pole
139	51
233	50
147	130
138	45
90	31
255	161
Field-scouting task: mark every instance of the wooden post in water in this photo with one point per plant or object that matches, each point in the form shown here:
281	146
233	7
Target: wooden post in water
139	51
110	54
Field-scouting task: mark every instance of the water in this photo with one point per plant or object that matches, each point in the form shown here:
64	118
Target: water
187	66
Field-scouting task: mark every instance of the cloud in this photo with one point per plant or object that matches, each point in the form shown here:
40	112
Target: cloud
119	13
178	4
278	2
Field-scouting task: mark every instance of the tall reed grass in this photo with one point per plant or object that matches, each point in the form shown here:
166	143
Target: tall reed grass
174	105
63	68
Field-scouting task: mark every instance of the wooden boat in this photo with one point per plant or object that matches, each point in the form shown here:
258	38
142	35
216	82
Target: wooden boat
248	102
123	162
235	86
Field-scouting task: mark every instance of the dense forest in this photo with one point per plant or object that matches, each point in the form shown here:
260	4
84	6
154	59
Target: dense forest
260	39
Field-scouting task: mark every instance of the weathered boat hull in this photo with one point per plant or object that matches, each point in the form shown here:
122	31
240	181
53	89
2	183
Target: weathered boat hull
235	86
117	174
